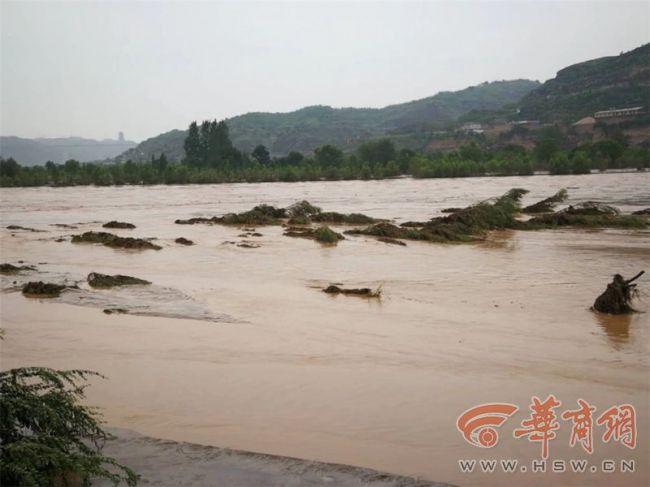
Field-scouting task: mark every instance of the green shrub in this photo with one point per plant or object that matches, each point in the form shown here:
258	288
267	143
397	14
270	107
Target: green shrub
327	235
48	437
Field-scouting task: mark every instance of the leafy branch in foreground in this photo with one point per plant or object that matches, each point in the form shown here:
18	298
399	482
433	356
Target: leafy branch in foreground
46	436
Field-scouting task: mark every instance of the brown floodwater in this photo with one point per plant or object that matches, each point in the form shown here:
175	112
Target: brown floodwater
237	347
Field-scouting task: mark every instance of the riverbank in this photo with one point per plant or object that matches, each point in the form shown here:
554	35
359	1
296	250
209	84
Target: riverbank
169	463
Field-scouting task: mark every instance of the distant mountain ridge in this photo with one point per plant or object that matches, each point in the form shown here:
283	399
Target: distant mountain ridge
307	128
582	89
40	150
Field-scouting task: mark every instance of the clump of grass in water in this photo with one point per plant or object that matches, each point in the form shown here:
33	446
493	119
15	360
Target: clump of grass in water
465	225
365	292
111	240
326	235
561	219
43	289
589	214
547	205
301	213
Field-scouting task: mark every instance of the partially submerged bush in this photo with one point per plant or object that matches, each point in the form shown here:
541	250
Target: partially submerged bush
450	210
301	213
590	214
116	224
347	218
617	298
95	279
363	291
43	289
392	241
299	220
248	245
567	218
302	209
592	208
464	225
327	235
14	269
260	215
26	229
322	234
547	204
48	437
183	241
112	240
194	221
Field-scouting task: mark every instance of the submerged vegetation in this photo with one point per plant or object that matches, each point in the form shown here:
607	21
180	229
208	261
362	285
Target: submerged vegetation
471	223
617	298
588	214
260	215
465	225
48	437
322	234
112	240
116	224
40	289
365	292
456	225
26	229
210	157
184	241
302	213
95	279
547	204
325	234
7	268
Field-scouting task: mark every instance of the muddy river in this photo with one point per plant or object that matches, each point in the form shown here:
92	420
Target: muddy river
238	347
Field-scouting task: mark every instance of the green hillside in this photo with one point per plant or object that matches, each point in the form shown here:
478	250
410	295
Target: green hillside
307	128
582	89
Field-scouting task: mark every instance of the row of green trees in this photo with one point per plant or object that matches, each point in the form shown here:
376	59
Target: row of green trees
212	158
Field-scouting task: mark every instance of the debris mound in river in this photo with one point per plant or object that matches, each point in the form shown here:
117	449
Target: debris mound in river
26	229
260	215
392	241
116	224
248	245
465	225
364	291
592	208
616	299
343	218
547	205
183	241
303	208
42	289
14	269
95	279
321	234
112	240
645	211
301	213
588	214
111	311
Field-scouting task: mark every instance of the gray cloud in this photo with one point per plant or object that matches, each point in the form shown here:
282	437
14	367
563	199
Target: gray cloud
94	68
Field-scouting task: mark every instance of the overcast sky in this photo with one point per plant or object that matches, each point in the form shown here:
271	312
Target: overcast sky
92	69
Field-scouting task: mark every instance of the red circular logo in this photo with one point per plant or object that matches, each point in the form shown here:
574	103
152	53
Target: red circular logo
488	437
